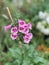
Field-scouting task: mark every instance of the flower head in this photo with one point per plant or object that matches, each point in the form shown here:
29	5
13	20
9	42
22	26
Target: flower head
14	29
13	36
21	22
27	37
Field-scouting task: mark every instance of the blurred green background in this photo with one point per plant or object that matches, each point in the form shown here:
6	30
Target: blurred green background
16	52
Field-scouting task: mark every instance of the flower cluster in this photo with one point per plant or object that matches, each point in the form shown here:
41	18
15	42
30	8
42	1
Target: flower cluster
14	32
22	28
43	26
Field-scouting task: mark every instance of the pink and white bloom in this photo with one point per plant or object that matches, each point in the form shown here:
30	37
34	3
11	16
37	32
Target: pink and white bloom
23	30
14	29
27	37
21	22
14	36
7	27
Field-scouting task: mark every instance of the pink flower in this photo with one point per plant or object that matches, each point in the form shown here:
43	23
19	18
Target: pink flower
14	36
27	37
7	27
21	22
26	26
14	29
29	26
23	30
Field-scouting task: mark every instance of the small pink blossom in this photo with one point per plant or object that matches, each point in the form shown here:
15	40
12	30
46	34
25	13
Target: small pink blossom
26	26
27	37
7	27
14	36
21	22
14	29
30	35
23	30
26	31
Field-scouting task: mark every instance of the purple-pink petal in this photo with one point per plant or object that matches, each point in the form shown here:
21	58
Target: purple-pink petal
21	22
7	27
26	39
30	35
23	30
14	29
14	36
